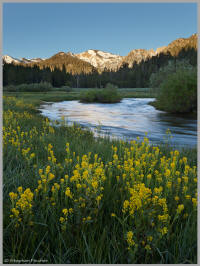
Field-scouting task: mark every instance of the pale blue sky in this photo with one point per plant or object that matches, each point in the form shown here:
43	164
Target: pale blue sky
42	29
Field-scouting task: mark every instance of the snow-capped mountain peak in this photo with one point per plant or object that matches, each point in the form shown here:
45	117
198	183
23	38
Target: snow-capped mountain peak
100	59
9	59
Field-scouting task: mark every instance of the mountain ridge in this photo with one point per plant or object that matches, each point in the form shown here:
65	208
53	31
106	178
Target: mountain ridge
97	60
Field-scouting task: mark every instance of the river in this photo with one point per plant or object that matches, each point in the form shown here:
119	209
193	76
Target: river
128	119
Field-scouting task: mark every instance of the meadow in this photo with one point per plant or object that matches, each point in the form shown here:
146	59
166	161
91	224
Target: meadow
69	197
59	94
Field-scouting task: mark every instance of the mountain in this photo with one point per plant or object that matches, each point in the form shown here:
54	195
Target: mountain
33	60
137	55
71	63
96	60
100	59
177	45
9	59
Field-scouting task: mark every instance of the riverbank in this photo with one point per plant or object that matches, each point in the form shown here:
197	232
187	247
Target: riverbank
186	114
57	95
80	194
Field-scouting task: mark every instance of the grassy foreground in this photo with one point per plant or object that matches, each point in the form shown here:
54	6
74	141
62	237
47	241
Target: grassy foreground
71	198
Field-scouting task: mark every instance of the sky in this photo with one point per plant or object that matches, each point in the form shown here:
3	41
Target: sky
33	30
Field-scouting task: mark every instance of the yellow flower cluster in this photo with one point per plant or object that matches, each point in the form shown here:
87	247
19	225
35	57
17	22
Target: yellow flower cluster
13	133
22	205
66	214
139	195
150	189
150	182
130	240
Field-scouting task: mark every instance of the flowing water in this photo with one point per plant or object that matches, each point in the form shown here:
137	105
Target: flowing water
128	119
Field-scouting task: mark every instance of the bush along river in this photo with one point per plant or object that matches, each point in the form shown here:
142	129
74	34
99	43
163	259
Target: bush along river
130	118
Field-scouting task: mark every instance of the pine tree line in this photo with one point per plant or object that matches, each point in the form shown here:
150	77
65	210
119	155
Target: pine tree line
59	75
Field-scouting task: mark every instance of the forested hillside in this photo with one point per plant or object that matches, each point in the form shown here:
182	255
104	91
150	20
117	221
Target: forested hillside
86	76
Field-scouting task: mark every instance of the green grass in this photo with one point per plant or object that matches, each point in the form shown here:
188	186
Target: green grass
138	93
56	94
38	97
103	239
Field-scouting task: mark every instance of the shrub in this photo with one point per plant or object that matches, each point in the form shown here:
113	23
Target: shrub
111	86
178	92
23	87
66	88
34	87
107	95
88	96
157	78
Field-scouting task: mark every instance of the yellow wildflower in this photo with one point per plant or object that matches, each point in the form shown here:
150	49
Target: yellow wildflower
149	238
194	201
188	197
78	186
130	240
65	211
13	195
95	184
40	171
51	176
176	198
185	160
164	230
70	210
15	212
68	192
20	189
180	208
147	247
62	219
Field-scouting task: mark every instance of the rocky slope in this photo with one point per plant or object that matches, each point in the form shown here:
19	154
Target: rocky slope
182	43
72	64
137	55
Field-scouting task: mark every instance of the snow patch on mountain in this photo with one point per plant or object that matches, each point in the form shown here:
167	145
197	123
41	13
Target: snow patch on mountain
9	59
107	55
36	59
100	59
92	52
